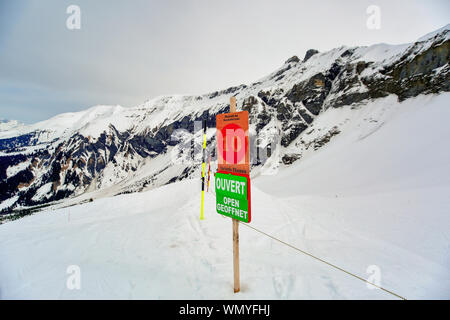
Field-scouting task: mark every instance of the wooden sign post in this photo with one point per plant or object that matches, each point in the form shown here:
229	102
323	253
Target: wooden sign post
237	281
232	183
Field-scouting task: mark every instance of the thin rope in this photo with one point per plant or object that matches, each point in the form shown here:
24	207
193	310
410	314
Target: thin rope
326	262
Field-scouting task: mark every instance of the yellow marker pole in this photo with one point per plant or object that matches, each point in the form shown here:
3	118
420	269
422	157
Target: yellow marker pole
203	167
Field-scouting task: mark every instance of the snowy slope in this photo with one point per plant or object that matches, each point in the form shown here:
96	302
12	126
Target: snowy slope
90	122
9	125
377	195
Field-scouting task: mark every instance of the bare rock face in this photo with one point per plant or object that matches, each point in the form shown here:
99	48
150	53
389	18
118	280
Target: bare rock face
290	158
311	93
414	74
309	54
293	59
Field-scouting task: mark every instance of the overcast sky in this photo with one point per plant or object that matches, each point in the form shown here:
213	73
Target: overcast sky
130	51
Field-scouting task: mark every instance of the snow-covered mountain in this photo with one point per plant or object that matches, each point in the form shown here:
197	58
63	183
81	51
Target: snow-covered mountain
119	150
9	125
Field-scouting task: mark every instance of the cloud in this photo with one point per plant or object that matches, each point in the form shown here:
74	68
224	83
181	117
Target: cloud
127	52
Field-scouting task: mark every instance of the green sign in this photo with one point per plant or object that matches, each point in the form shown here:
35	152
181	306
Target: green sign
232	196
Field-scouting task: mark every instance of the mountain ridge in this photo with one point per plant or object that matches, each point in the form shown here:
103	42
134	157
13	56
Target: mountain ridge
105	146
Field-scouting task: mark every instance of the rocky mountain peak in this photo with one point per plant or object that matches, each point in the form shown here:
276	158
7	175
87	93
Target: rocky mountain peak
293	59
309	54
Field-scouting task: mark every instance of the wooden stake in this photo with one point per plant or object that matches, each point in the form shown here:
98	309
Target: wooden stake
237	285
233	104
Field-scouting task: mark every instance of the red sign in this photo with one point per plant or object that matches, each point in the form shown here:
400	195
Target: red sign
232	143
233	158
